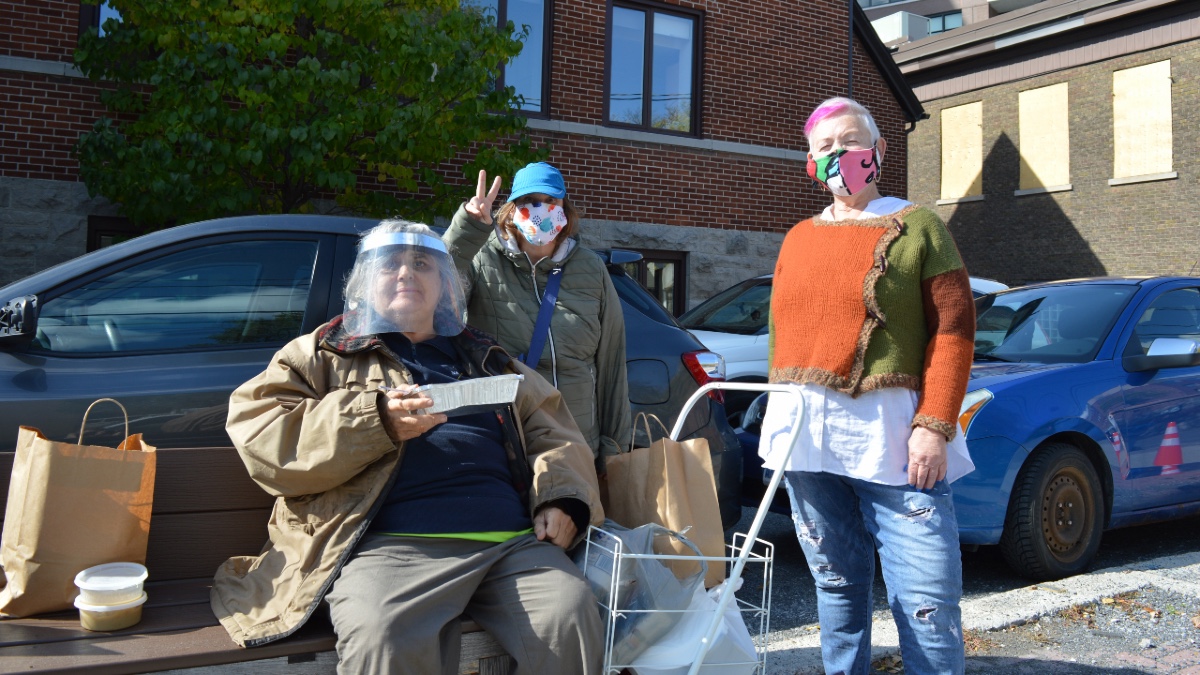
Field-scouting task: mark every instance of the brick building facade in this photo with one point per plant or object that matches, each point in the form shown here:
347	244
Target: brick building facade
709	205
1094	210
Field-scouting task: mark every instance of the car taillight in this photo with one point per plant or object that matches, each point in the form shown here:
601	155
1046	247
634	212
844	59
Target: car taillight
707	367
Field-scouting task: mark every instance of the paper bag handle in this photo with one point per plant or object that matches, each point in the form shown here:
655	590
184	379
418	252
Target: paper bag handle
645	418
93	405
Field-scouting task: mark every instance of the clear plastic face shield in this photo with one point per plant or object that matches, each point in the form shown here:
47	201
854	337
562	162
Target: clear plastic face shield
404	281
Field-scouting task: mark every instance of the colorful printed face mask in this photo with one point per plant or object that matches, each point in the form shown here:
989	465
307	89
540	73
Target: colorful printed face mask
540	222
846	172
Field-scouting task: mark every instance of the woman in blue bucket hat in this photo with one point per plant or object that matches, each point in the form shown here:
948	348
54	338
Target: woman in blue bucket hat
511	262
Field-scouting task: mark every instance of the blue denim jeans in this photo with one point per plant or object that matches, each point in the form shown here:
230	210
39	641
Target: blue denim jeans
840	522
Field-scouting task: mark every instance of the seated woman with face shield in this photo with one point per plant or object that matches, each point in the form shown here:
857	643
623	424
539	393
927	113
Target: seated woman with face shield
399	521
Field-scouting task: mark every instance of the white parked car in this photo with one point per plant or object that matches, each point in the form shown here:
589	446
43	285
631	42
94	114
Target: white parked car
733	323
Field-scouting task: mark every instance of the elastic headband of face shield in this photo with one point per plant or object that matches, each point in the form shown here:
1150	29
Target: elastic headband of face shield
403	281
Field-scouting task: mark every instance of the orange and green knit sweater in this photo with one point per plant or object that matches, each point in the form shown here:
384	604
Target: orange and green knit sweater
859	305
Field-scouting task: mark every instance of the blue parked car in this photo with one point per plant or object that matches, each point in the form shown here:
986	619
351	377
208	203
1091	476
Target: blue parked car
1082	414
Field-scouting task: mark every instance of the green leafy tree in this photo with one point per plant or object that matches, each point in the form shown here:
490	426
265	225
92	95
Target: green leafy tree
223	107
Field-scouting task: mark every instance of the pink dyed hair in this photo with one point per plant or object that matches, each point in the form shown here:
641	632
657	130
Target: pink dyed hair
836	106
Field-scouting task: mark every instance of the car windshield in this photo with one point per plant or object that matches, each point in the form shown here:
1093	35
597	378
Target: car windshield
1048	324
742	309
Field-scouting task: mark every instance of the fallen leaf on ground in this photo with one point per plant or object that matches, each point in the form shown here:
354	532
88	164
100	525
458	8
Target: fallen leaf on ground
1107	601
976	641
1196	621
889	664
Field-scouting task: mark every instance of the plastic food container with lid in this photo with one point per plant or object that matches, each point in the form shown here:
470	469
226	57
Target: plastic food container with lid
111	584
110	617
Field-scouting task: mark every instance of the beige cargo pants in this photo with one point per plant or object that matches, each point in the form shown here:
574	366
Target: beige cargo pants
396	606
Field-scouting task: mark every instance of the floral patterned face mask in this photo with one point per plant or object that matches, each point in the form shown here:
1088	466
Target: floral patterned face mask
540	222
846	172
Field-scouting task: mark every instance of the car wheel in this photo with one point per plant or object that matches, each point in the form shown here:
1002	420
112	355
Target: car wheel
1054	521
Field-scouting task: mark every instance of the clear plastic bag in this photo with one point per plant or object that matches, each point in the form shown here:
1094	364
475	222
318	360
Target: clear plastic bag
649	599
732	652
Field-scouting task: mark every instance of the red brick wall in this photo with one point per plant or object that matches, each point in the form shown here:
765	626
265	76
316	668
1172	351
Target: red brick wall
43	118
39	29
577	60
636	182
43	115
767	64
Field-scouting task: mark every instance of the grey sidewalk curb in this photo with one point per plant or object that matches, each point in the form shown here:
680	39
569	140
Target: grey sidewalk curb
1176	573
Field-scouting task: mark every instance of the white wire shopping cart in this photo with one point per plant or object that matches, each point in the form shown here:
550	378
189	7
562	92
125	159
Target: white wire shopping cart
746	550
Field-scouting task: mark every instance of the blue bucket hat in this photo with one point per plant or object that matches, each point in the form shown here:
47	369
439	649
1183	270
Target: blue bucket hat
538	177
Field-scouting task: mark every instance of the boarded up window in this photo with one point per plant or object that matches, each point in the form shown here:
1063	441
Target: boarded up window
1045	137
1142	120
962	151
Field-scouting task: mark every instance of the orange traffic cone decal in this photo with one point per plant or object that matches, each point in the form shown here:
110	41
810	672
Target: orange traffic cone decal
1170	454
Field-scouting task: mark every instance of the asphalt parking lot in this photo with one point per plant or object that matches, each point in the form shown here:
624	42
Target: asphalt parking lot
1136	611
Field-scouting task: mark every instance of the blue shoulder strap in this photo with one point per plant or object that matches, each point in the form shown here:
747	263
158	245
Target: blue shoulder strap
542	328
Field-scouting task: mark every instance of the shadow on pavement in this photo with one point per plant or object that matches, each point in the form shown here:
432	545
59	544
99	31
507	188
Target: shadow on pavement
1031	666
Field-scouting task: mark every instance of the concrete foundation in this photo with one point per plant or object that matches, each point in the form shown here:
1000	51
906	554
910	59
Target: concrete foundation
43	223
717	259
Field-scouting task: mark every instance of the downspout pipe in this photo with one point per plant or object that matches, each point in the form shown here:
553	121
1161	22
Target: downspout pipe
850	52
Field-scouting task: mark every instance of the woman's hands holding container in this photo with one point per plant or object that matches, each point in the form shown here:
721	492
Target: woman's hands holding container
480	206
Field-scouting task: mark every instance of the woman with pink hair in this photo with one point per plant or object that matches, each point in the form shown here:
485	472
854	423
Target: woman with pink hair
872	316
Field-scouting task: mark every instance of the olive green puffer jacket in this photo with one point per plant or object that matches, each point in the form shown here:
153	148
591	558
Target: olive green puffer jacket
584	356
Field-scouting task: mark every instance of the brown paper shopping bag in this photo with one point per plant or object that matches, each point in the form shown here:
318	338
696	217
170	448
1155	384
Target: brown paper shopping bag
71	507
669	483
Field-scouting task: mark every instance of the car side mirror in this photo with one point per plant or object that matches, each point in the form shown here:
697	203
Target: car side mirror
619	256
1165	353
18	320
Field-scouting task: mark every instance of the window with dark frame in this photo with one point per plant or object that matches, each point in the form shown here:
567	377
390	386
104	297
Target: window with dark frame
940	23
105	231
664	274
94	16
653	62
528	72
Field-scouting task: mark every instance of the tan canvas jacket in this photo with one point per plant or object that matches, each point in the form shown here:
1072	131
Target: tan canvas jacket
308	430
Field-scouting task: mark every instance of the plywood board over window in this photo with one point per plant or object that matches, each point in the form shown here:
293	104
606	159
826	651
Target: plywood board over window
1045	137
1142	120
962	151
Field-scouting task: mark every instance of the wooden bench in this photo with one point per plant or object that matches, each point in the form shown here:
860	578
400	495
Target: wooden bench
206	509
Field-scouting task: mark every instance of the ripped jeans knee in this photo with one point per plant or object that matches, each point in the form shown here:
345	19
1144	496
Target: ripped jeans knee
808	533
929	616
823	571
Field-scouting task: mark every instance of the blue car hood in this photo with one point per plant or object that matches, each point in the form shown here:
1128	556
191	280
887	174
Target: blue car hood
989	374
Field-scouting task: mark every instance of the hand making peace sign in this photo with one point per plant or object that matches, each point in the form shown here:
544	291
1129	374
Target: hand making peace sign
480	206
